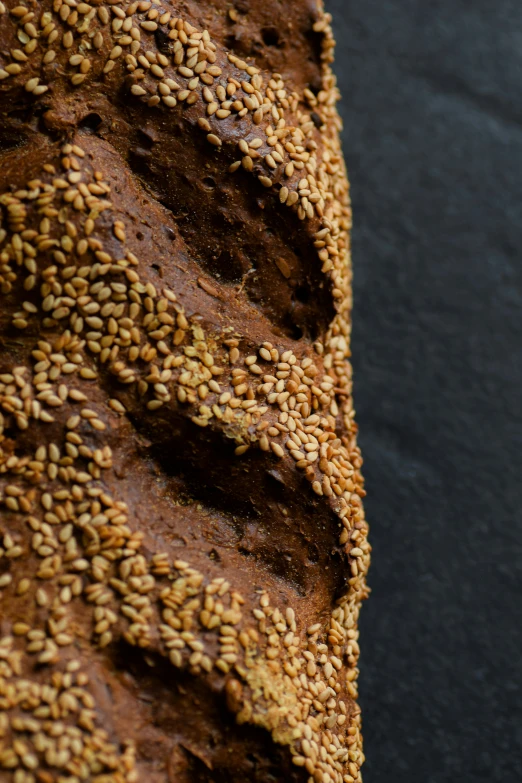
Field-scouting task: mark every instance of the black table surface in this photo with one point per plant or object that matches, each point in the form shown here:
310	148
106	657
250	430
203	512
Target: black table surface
432	109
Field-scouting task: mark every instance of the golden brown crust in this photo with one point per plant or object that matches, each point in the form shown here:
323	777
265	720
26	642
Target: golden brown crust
183	542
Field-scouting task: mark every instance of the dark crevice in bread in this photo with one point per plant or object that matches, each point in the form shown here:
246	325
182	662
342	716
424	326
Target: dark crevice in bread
224	753
222	225
264	501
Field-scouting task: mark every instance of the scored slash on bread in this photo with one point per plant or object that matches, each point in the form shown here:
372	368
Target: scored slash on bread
183	541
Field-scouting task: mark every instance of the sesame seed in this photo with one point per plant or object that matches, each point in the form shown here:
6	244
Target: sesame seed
31	84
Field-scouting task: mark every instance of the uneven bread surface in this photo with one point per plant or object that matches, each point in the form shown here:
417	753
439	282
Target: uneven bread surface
183	546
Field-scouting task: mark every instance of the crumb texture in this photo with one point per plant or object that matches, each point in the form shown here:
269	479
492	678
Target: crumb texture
183	548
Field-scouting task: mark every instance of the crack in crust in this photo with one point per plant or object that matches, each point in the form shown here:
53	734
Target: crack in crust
100	357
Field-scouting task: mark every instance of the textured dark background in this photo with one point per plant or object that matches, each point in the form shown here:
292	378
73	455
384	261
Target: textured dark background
432	106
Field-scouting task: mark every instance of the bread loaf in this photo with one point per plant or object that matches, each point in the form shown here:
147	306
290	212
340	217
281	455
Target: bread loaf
182	541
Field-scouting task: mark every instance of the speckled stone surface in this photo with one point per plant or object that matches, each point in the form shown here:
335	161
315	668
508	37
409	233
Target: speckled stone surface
433	141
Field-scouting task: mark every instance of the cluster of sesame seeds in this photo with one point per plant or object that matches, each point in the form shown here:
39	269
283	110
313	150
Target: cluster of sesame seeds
308	683
284	150
55	721
106	311
102	322
185	72
85	550
94	299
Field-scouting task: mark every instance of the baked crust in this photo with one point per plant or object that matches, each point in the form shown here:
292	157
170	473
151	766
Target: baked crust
183	541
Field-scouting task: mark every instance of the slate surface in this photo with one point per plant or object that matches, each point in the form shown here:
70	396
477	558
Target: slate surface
432	104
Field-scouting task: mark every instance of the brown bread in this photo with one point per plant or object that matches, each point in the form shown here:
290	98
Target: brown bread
183	545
